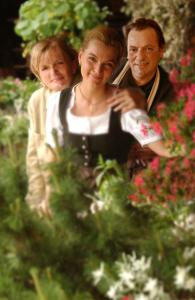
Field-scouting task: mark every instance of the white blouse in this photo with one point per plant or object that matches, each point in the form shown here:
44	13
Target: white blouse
135	121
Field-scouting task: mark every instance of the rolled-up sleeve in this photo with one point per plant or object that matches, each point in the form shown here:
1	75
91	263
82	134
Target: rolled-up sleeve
137	122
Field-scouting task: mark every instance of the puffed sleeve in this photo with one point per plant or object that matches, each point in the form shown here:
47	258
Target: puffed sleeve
137	122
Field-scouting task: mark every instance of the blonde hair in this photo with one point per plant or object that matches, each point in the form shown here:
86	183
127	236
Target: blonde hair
46	44
107	35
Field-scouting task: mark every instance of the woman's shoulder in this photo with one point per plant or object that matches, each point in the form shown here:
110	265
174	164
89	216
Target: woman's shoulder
39	96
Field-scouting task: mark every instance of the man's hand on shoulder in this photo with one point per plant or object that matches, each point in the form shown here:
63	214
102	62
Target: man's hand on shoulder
127	99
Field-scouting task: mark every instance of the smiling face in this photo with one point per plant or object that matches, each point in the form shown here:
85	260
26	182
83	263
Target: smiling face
55	69
144	54
97	62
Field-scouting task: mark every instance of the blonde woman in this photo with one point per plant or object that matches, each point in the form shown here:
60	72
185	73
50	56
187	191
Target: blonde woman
54	63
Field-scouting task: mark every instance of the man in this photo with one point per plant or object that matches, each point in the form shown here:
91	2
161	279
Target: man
145	49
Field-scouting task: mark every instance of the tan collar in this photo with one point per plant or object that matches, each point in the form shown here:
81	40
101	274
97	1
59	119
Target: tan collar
153	90
155	85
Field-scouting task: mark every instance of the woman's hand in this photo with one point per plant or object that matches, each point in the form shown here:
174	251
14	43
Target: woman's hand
127	99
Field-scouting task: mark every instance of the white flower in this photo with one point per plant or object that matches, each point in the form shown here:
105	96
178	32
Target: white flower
81	214
98	274
141	297
127	278
96	206
190	283
186	222
189	253
181	276
113	290
151	285
190	222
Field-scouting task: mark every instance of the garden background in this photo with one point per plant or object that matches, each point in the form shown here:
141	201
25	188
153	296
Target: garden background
124	241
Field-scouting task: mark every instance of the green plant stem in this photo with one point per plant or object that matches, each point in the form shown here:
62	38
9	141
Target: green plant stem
37	284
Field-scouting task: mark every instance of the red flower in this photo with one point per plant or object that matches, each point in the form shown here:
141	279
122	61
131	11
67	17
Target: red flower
193	136
192	153
133	198
138	180
127	298
160	109
186	162
186	60
157	127
189	109
155	163
173	75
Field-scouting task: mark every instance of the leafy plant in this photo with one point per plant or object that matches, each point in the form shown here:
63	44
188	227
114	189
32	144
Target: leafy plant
15	93
38	20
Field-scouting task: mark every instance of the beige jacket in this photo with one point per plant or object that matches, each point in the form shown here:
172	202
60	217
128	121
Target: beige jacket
37	150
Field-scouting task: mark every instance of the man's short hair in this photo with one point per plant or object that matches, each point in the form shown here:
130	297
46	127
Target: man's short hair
143	23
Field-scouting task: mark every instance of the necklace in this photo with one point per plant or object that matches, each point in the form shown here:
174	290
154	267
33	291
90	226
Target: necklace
92	105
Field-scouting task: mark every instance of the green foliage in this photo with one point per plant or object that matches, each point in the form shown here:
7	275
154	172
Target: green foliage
38	20
15	93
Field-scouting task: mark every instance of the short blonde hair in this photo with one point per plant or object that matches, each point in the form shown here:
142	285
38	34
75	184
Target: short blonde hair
107	35
44	45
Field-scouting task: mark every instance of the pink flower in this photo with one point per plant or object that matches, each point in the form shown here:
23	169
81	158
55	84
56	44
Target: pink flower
160	109
173	128
18	81
186	162
133	198
144	130
168	170
186	60
189	109
173	75
193	136
127	298
190	91
155	163
157	127
192	153
138	180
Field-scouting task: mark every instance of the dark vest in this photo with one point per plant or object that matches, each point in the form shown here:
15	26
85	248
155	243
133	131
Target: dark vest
112	145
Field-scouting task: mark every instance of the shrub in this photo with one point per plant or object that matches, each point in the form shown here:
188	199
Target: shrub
38	20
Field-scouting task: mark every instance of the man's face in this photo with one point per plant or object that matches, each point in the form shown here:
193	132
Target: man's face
144	54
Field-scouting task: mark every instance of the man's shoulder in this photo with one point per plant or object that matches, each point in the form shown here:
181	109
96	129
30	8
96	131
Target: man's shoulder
163	73
165	83
165	92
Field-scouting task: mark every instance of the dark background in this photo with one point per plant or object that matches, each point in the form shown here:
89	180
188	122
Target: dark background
11	61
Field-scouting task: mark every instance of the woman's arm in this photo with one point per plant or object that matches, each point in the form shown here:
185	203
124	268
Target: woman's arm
164	149
36	183
137	122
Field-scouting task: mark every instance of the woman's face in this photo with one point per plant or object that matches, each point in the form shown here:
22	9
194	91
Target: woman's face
55	69
97	62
